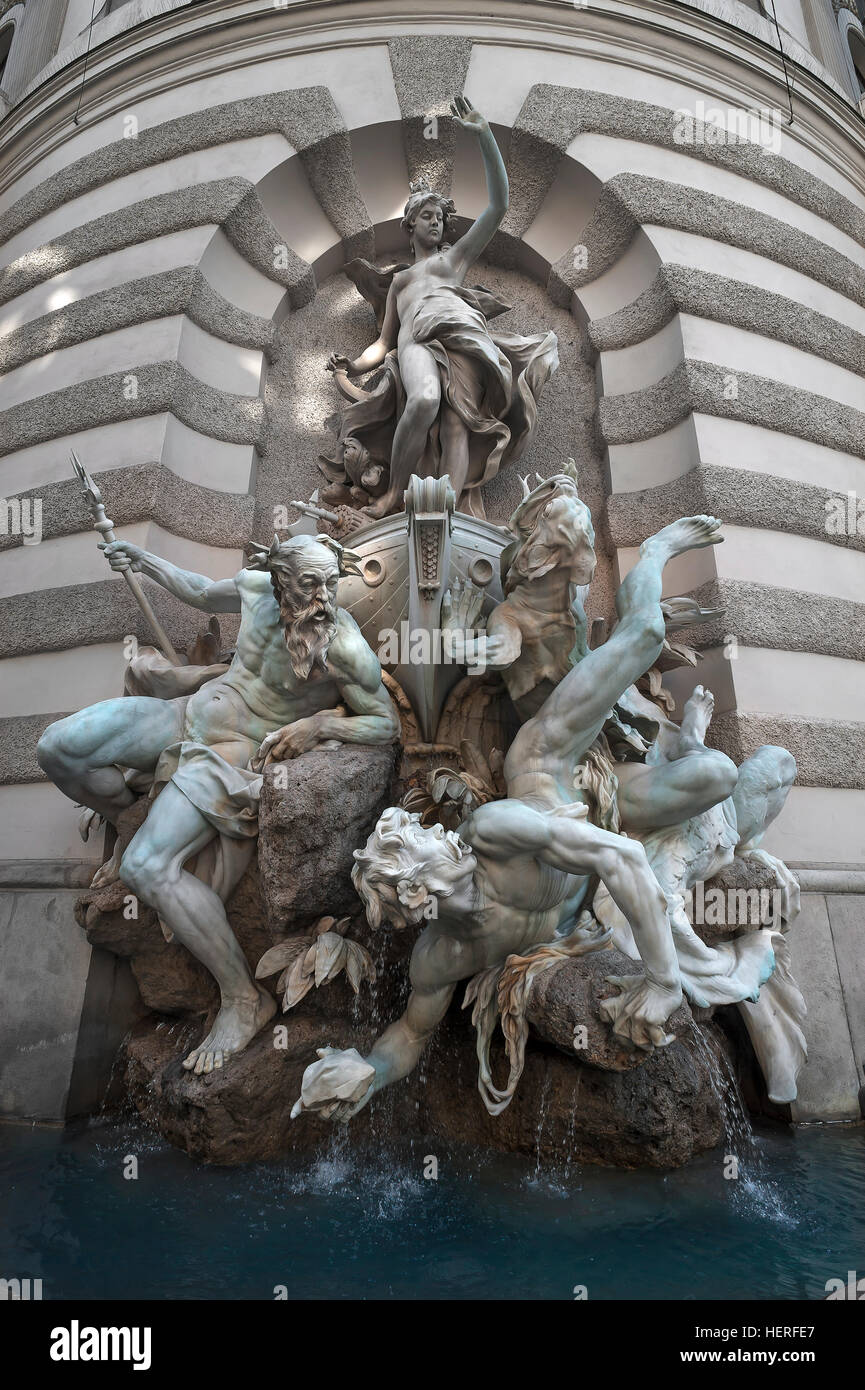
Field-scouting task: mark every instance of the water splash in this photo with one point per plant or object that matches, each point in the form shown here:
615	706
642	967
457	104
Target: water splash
758	1193
382	1185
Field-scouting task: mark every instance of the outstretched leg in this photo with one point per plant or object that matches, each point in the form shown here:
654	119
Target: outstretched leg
551	744
83	755
690	780
153	868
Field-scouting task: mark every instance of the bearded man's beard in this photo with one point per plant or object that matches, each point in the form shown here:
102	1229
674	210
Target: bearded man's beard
308	634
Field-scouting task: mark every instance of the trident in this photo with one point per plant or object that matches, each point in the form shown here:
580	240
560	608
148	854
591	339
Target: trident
102	523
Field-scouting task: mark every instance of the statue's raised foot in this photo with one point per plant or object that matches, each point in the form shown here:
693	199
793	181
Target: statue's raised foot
674	742
383	506
689	533
109	872
235	1025
697	715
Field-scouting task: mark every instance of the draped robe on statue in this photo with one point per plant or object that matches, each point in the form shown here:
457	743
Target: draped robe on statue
490	380
227	796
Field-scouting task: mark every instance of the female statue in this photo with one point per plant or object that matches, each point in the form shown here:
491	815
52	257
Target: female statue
454	397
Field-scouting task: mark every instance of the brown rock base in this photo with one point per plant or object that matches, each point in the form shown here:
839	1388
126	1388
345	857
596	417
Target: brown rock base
603	1103
659	1113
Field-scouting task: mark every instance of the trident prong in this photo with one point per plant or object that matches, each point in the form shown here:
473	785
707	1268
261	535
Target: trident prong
88	486
105	526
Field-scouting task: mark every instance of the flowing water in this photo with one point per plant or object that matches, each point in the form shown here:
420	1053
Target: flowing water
739	1136
337	1225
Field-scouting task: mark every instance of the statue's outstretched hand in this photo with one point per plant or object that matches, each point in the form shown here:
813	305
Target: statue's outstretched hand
463	621
468	642
465	115
294	739
640	1012
336	1086
123	555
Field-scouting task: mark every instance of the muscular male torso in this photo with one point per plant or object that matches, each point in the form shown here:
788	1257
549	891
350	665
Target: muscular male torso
260	691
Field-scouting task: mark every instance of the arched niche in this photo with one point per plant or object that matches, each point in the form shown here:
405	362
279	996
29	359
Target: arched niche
526	269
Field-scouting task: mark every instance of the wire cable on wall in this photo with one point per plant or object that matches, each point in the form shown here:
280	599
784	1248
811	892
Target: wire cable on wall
787	82
86	57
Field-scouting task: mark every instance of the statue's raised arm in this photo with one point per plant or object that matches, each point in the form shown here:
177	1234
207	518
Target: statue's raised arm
474	242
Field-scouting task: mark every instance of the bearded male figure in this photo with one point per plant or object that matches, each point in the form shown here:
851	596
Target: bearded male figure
301	675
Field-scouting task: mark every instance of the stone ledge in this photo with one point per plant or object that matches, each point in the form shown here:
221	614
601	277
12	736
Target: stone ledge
146	492
19	735
792	620
160	387
46	873
721	299
195	206
307	117
79	615
826	879
552	116
630	201
697	386
183	290
740	496
828	752
232	204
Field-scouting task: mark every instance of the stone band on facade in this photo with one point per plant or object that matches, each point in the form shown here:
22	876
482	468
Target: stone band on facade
686	289
158	386
147	492
704	387
183	290
79	614
741	496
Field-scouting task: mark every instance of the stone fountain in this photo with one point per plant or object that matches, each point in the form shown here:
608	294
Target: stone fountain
424	810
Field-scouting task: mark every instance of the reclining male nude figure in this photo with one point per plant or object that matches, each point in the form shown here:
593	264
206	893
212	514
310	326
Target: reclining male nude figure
517	870
299	666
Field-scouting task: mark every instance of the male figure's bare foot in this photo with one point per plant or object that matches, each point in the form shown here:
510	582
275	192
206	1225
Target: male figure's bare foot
383	507
109	872
690	737
690	533
235	1025
697	714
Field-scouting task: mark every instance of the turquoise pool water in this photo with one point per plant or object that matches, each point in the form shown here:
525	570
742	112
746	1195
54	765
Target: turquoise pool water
340	1225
